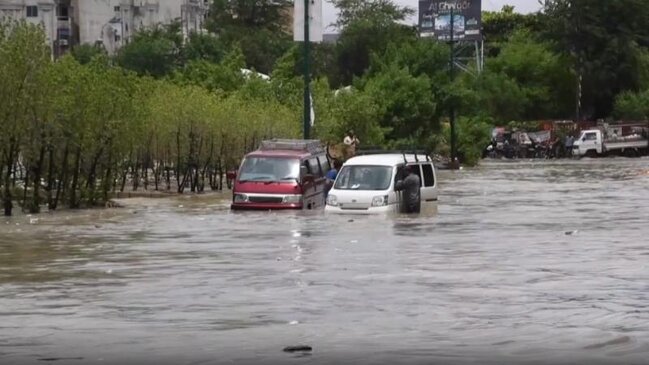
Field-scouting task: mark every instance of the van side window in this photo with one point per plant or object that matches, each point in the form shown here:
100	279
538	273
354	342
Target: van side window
417	170
324	164
429	177
591	136
314	167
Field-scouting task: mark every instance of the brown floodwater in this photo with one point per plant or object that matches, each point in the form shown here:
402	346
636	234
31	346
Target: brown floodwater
523	262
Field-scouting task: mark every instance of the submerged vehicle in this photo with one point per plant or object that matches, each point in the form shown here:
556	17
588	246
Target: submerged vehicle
367	184
282	174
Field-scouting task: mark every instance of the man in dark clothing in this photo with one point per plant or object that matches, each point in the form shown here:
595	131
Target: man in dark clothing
411	196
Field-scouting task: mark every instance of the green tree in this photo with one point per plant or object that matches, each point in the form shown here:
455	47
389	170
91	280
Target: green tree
605	40
155	52
547	85
84	53
24	57
261	28
367	28
499	26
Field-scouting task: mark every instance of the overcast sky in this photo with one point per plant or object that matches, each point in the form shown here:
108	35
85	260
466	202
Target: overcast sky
523	6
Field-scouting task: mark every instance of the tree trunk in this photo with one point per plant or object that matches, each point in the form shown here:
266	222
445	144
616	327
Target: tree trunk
63	177
8	198
73	201
38	171
50	175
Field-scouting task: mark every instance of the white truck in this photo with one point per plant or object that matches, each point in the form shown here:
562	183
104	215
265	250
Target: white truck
609	141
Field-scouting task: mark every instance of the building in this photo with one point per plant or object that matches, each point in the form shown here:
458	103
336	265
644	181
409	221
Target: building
106	23
112	23
54	15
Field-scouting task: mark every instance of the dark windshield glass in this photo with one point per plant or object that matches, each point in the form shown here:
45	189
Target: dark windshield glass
364	178
269	169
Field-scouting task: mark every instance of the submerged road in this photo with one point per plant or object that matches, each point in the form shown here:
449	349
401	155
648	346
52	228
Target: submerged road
524	262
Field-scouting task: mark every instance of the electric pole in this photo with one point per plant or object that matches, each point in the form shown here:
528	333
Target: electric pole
307	76
452	77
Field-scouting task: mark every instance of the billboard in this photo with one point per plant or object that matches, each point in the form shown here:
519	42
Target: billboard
435	19
315	21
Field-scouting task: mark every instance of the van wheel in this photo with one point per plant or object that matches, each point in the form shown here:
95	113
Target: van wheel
591	153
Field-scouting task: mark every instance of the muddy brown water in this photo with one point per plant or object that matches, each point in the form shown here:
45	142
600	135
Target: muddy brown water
524	262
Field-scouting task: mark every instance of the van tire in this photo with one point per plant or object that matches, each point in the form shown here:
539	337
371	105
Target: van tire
591	153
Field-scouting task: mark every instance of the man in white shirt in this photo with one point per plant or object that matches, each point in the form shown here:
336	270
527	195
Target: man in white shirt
352	141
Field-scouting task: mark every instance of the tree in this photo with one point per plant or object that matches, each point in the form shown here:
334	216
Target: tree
605	40
367	28
546	85
84	53
499	26
24	57
155	52
201	46
405	101
261	28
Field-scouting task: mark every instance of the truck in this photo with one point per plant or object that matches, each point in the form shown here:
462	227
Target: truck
621	140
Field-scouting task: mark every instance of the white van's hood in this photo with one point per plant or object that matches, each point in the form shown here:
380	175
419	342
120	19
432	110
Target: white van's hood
355	199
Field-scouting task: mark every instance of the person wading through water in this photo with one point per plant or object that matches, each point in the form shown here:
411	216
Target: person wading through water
411	196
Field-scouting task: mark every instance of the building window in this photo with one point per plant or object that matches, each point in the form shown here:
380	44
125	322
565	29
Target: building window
62	11
116	9
32	11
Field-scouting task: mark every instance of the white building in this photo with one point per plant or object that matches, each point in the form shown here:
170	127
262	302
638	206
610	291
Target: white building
112	23
54	15
109	23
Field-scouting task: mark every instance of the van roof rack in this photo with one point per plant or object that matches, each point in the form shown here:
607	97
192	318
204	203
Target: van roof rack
404	152
306	145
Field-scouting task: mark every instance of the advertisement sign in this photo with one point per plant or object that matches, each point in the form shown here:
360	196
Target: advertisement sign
315	21
435	19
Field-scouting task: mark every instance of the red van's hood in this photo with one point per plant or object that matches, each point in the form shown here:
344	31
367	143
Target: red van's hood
267	188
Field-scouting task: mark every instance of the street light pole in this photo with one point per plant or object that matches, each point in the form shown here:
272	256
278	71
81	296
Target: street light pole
452	77
307	76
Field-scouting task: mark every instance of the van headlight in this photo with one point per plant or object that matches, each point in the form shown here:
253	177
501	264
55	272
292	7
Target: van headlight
292	199
380	201
240	198
332	200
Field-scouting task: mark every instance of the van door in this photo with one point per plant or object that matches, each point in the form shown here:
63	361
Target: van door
313	192
429	188
416	169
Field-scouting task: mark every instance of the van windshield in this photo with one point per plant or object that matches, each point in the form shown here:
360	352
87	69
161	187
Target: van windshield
269	169
364	178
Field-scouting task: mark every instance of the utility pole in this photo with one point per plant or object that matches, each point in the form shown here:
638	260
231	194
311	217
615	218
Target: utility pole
452	77
578	96
307	76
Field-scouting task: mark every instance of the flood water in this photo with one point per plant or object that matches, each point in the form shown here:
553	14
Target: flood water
524	262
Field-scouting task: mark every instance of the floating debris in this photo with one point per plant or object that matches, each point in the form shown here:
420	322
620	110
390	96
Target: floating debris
570	233
299	348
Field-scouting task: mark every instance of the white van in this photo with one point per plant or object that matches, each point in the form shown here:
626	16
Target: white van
365	184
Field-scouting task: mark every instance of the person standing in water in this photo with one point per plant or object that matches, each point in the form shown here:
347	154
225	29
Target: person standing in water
331	176
411	196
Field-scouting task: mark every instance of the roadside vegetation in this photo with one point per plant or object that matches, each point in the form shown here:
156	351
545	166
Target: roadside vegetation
173	115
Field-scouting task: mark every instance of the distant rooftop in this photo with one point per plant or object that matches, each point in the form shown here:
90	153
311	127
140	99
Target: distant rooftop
330	37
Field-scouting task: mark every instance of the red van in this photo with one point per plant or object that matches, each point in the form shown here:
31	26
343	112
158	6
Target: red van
282	174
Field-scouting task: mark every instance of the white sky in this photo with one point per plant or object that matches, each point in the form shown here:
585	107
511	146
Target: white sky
523	6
